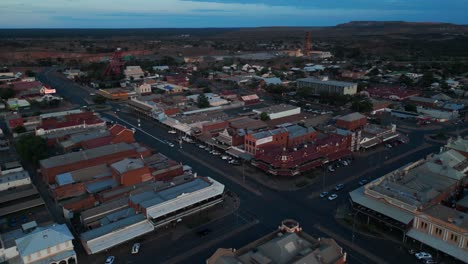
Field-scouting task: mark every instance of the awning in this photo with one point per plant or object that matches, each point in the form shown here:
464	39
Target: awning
235	152
359	197
438	244
370	143
390	136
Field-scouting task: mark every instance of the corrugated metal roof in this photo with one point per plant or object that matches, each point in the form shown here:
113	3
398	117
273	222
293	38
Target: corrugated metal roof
43	238
438	244
100	185
330	82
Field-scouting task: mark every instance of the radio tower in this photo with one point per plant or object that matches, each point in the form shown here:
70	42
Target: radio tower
307	45
115	64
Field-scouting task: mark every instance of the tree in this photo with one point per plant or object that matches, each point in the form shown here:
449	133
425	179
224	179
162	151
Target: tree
363	106
411	108
207	90
444	85
19	129
99	99
31	148
7	93
264	116
427	79
405	80
30	73
202	101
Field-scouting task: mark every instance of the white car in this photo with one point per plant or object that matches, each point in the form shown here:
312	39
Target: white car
344	162
333	197
323	194
224	157
423	255
172	132
136	248
110	260
201	146
171	144
331	169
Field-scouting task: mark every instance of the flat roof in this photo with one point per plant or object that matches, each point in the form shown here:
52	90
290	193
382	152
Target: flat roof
330	82
85	155
110	235
85	174
21	206
449	215
275	108
352	117
103	209
127	164
178	197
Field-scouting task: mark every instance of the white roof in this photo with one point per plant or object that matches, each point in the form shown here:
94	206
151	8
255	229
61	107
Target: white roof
186	199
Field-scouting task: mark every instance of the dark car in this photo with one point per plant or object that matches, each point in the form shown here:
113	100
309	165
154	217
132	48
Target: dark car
204	232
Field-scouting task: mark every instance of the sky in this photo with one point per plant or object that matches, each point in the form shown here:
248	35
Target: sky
221	13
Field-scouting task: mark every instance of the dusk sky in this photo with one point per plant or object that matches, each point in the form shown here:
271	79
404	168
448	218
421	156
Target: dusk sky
221	13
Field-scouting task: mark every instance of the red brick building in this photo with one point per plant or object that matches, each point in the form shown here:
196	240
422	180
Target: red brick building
129	172
351	121
76	160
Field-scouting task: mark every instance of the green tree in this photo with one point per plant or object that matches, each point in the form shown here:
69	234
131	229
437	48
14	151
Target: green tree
30	73
405	80
202	101
31	148
19	129
207	90
444	85
363	106
99	99
264	116
427	79
411	108
7	93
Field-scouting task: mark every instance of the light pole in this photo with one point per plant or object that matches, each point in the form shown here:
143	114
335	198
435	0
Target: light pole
243	170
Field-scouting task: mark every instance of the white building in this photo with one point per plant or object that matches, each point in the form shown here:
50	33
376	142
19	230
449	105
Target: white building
279	111
143	89
14	179
133	72
325	85
39	245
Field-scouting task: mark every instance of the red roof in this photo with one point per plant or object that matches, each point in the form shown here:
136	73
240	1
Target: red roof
96	142
117	129
388	92
70	120
21	86
289	159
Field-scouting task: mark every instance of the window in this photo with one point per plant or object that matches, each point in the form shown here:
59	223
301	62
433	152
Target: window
453	237
438	231
423	225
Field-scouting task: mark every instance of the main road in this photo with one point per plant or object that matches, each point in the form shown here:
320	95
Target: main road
269	207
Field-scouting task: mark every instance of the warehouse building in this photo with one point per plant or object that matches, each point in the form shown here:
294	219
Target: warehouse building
279	111
318	86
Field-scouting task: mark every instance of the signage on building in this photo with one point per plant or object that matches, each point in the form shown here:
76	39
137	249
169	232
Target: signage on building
264	140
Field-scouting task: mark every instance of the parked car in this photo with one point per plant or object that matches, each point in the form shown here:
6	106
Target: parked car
224	157
388	145
136	248
333	197
110	260
423	255
429	261
344	162
323	194
172	132
204	232
339	187
201	146
363	182
171	144
331	169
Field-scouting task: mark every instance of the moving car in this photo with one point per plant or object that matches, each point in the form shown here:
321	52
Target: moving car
323	194
136	248
333	197
423	255
339	187
110	260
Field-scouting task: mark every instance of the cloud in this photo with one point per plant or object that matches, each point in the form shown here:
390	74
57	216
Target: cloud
221	13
